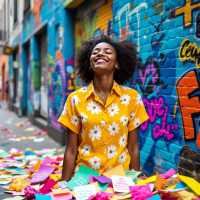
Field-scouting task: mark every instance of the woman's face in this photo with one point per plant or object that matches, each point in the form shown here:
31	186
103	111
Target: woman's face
103	58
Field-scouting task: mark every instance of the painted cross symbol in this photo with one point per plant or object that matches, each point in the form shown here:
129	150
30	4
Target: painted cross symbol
186	10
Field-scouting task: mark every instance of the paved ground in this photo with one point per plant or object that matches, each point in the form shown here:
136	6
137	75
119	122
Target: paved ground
9	120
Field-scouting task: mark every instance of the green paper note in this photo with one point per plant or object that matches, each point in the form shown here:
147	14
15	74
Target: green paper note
15	198
103	186
5	176
132	174
4	154
82	177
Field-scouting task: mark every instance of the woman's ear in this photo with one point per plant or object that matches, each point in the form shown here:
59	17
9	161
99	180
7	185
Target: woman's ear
117	65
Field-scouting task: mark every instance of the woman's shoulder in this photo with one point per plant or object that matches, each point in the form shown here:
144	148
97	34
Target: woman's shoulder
79	93
129	91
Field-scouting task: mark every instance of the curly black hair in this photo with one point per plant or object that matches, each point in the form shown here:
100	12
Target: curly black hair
126	56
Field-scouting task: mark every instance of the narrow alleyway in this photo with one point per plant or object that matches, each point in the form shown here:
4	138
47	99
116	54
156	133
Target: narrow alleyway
18	133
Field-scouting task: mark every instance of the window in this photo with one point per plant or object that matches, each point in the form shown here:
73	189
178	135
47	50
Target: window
15	11
26	6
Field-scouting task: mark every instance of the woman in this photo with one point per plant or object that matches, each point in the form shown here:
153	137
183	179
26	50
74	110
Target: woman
103	118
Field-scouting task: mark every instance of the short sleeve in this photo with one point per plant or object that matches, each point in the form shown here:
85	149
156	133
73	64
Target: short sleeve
138	114
69	117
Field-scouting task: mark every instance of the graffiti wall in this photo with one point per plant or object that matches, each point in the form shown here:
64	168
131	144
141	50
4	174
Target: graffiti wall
167	76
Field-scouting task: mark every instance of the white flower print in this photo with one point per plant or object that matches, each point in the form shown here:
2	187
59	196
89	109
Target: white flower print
125	99
139	100
122	140
76	169
136	122
75	120
125	87
83	117
83	89
124	119
93	107
103	123
74	100
111	167
113	129
86	150
64	112
113	109
122	157
111	151
82	133
117	85
95	133
131	116
95	162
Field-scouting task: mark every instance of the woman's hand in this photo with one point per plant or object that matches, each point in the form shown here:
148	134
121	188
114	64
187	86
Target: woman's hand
70	156
133	148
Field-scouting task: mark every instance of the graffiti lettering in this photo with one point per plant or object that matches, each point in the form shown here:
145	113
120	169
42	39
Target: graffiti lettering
189	51
127	10
157	6
156	110
189	104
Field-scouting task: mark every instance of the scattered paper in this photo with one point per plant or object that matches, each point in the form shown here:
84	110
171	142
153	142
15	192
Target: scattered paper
82	177
148	180
155	197
118	171
121	183
84	192
42	197
48	185
38	140
29	129
160	182
132	174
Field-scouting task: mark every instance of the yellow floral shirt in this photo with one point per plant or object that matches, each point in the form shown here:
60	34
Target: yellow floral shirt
103	129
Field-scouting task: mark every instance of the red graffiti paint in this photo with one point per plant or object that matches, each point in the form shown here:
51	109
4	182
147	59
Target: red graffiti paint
189	104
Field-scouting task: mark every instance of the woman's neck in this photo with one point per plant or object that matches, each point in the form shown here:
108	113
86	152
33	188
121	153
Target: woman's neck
103	84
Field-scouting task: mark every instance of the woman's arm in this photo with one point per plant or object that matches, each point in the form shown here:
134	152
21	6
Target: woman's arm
71	152
133	148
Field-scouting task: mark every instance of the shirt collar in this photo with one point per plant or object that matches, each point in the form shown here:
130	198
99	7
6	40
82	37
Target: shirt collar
90	89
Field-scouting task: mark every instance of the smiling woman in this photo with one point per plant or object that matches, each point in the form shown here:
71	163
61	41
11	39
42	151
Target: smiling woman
103	118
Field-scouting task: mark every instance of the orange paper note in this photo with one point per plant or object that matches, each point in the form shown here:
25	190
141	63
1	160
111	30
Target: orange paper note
58	191
118	171
160	182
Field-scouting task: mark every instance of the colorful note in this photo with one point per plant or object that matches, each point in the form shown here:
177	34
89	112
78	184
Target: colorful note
59	191
121	183
61	196
84	192
42	174
15	198
148	180
42	197
168	174
192	183
160	182
155	197
82	177
118	171
132	174
48	185
4	154
141	192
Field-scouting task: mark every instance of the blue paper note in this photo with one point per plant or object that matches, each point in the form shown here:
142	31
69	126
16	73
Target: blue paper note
181	185
42	197
28	153
155	197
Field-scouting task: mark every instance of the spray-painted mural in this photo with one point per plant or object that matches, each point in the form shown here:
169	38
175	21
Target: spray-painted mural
169	47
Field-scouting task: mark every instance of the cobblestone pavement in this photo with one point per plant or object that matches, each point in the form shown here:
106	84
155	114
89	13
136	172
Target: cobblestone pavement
8	120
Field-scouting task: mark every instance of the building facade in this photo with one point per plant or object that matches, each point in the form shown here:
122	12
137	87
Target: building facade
48	34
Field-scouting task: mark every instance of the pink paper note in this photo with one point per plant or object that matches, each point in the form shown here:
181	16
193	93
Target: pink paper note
91	179
42	174
168	174
46	161
140	192
59	172
48	185
61	196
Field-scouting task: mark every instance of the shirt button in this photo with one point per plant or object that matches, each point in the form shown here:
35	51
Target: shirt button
102	168
105	111
105	143
105	129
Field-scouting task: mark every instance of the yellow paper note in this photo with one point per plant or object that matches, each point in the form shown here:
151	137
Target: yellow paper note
96	185
192	183
183	195
109	190
58	191
160	182
115	197
29	129
148	180
118	171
